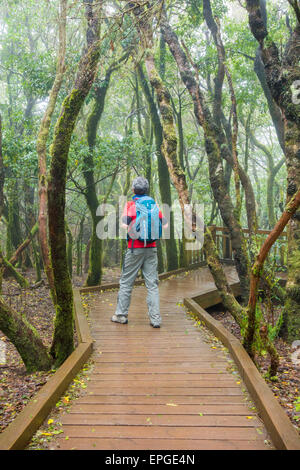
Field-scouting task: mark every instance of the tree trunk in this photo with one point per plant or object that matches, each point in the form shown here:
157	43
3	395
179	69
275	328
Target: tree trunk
14	258
42	150
282	71
14	233
24	337
256	271
95	259
29	192
95	252
79	248
63	343
216	149
69	250
163	173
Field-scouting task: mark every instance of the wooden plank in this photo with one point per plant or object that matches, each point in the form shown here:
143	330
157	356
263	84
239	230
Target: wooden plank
200	420
161	399
116	391
184	367
123	346
221	377
231	409
94	443
212	297
163	432
82	326
162	383
283	434
140	359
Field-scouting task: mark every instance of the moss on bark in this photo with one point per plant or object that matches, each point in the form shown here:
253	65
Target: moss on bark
25	338
63	338
163	173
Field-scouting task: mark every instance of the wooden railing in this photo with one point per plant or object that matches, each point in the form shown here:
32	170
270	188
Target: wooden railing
222	240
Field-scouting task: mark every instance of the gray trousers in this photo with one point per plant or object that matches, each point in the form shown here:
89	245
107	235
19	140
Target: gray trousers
146	260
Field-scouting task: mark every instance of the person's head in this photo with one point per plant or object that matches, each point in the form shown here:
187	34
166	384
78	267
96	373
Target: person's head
140	186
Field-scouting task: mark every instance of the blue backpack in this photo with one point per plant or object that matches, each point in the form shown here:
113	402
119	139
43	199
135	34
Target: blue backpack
147	226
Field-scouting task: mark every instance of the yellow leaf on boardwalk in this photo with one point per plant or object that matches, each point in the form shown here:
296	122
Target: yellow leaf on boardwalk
171	404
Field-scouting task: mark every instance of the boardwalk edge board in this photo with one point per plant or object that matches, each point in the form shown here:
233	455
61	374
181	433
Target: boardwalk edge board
277	423
19	432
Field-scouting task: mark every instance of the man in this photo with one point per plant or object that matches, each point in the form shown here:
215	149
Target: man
140	255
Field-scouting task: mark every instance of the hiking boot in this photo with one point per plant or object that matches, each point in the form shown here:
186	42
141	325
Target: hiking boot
155	326
119	319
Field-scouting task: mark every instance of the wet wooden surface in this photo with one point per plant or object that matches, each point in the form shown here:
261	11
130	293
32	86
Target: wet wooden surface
167	388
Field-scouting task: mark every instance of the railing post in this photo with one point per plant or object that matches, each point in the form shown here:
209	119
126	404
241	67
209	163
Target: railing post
226	245
213	230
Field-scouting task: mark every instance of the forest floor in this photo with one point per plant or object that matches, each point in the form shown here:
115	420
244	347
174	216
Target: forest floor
17	387
287	386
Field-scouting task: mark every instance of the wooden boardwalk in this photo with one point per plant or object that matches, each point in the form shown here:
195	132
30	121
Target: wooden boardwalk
160	389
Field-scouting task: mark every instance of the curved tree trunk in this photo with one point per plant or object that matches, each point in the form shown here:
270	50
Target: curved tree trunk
95	253
63	343
25	338
163	173
217	150
42	150
282	71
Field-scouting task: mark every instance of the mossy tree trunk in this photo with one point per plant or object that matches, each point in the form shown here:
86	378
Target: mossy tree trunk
25	338
63	341
15	256
216	150
90	193
79	248
282	71
42	150
257	268
14	233
163	173
95	253
69	249
2	181
29	193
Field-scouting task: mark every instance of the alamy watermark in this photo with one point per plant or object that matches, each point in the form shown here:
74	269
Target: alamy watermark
188	223
296	92
2	352
295	356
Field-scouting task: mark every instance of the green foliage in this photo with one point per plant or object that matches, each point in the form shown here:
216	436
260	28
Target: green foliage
38	73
